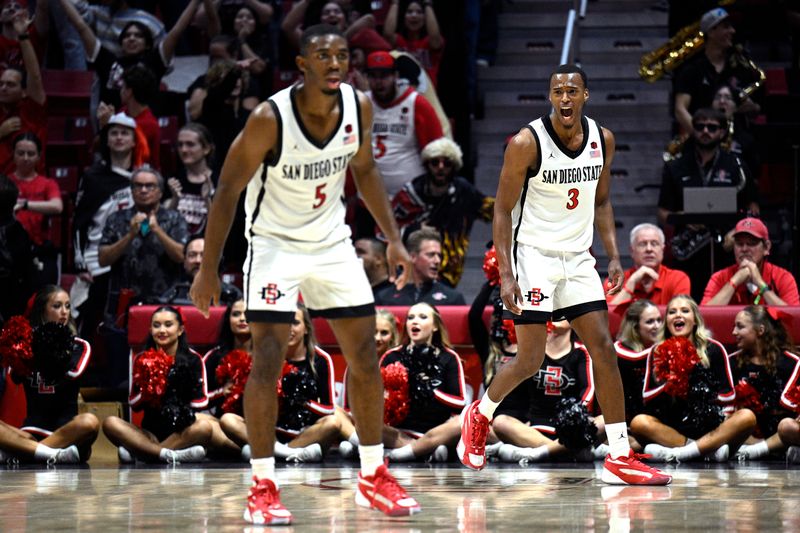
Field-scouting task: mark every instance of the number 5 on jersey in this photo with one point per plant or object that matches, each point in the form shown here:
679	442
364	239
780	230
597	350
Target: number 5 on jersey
319	196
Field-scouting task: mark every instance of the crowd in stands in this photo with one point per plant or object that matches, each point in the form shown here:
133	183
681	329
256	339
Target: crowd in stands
131	231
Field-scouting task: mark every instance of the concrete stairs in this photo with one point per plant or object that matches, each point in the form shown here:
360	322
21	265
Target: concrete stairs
613	36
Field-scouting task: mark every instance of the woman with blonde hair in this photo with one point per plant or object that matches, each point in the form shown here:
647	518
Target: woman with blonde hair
688	382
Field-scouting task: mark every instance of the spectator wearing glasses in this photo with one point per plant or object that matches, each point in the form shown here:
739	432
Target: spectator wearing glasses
648	278
445	201
703	163
143	245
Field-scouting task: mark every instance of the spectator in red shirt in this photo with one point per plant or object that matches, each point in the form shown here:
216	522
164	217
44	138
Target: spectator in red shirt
752	279
22	98
648	278
39	196
10	52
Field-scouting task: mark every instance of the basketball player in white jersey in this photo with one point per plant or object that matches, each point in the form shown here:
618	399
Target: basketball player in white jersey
553	187
292	157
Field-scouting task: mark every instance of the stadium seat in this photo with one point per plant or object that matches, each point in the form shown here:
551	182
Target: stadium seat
68	91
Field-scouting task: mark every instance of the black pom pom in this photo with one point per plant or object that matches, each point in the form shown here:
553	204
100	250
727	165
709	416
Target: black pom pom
704	412
52	346
574	429
424	373
298	386
182	385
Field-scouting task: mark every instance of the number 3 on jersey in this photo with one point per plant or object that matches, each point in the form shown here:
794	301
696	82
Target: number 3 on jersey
573	199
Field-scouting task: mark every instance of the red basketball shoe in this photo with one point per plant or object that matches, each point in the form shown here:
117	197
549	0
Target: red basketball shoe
471	447
629	470
264	505
384	493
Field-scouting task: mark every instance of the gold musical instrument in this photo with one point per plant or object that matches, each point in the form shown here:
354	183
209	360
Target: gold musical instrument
666	58
737	59
683	45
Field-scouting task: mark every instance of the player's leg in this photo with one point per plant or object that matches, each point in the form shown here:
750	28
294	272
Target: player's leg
260	415
475	419
377	488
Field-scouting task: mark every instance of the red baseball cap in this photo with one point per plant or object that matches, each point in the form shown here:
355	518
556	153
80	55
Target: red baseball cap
752	226
380	61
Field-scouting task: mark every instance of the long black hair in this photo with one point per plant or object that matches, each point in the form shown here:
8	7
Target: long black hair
183	349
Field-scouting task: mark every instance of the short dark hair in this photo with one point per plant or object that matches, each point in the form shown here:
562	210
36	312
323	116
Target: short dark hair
148	35
23	81
318	30
708	113
141	80
190	241
569	68
417	237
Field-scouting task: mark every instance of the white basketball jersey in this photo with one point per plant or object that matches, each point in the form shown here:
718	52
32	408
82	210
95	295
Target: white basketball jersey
296	199
555	210
394	143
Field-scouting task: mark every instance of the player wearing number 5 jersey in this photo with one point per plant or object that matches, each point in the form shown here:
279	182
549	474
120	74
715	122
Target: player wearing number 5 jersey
554	185
292	156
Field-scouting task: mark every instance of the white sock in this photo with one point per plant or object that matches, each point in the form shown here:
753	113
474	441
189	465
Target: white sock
371	458
757	450
282	451
44	452
617	434
403	453
687	452
487	407
264	468
353	439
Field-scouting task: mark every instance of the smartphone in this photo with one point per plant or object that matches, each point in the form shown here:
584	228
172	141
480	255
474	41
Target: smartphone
144	227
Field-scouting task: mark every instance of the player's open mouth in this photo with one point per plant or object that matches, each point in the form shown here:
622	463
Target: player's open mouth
566	112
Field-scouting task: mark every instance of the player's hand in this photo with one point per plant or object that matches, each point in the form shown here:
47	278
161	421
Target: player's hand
205	290
615	276
511	294
397	256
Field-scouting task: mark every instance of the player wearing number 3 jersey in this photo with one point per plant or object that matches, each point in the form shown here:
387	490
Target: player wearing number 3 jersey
554	185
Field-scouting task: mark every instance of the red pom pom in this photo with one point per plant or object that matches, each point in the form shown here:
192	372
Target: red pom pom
490	266
396	404
150	371
15	346
508	327
285	370
234	368
673	361
748	397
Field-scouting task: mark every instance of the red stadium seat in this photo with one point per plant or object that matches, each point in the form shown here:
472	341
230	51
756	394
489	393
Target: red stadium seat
69	141
169	137
67	178
68	91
